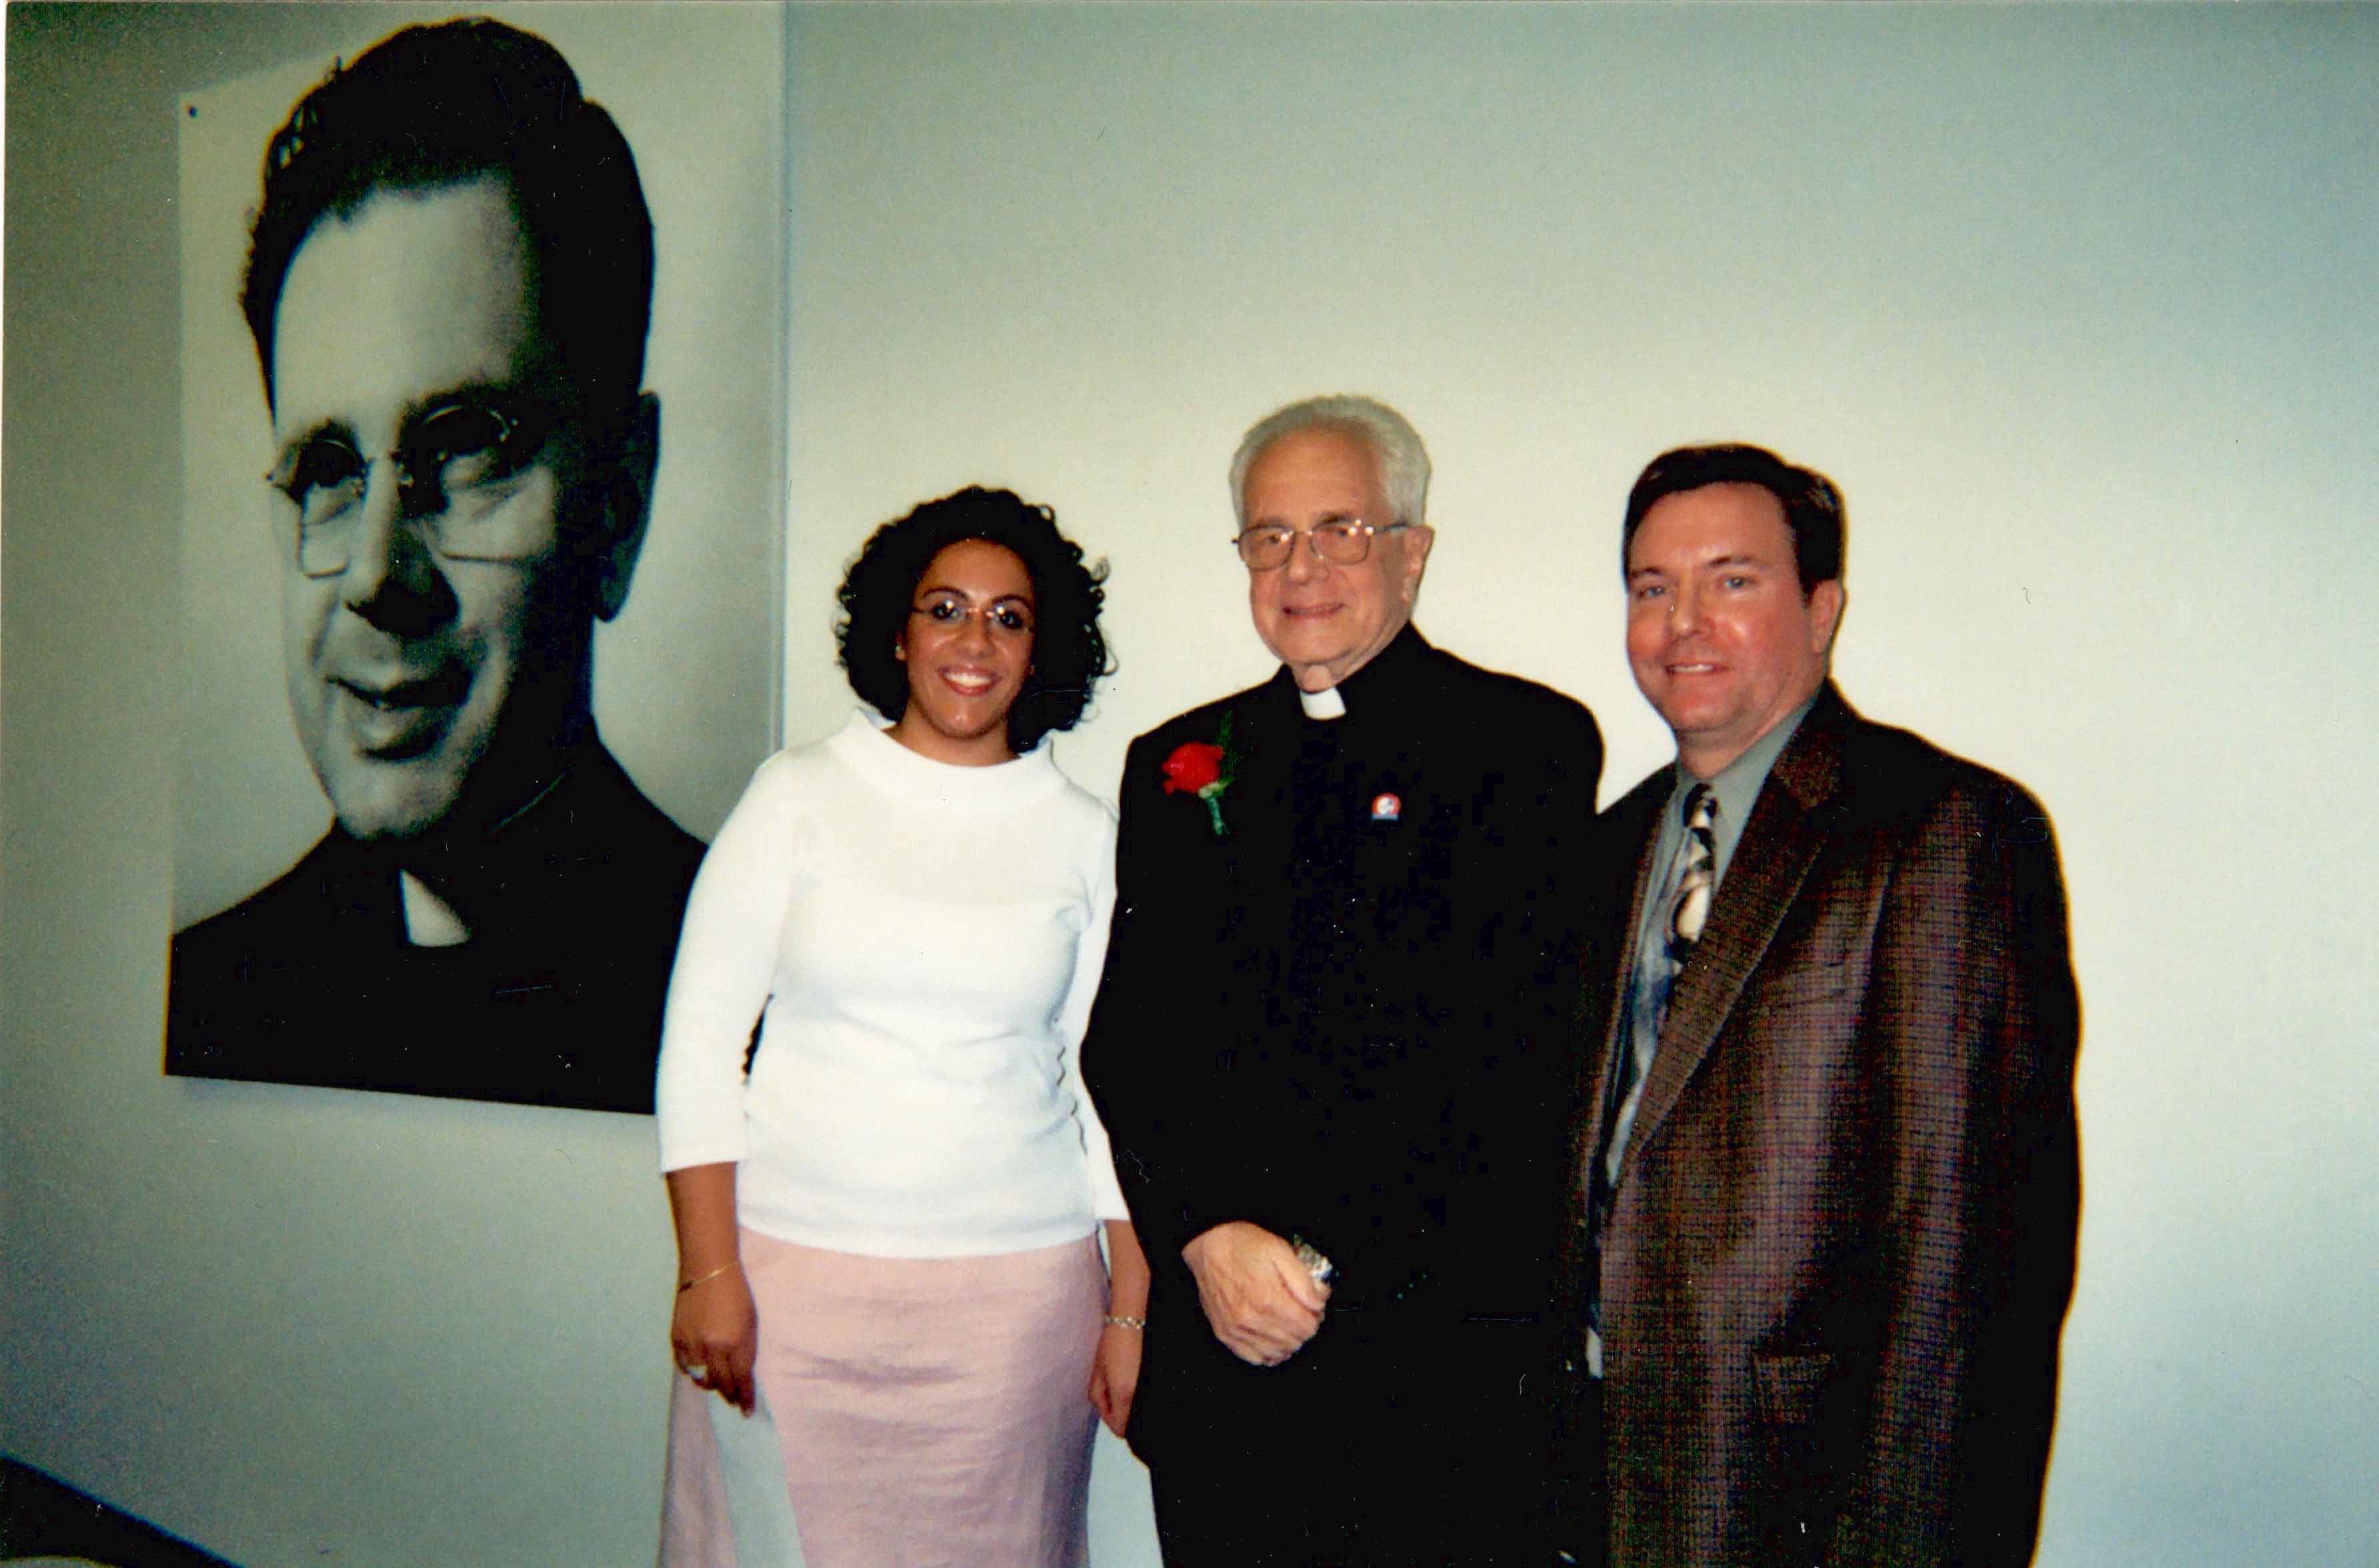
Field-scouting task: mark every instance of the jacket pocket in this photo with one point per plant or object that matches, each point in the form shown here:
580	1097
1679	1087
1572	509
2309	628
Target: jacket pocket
1791	1388
1800	1404
1801	984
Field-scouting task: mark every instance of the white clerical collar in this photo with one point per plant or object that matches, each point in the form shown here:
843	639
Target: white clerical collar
1323	703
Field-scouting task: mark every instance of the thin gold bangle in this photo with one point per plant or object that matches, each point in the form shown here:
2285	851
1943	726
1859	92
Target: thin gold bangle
685	1285
1113	1321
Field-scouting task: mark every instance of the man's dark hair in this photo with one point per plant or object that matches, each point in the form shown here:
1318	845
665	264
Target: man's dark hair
878	590
434	106
1813	507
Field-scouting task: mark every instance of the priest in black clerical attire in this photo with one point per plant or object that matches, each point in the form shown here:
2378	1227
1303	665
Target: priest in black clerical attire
1329	1044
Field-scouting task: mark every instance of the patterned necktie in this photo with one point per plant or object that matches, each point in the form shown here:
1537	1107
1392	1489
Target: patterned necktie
1697	868
1692	872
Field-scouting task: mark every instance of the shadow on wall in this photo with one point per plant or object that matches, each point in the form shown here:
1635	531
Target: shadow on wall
46	1524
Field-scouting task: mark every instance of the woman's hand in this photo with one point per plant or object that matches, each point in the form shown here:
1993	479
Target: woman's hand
715	1331
715	1335
1114	1375
1115	1366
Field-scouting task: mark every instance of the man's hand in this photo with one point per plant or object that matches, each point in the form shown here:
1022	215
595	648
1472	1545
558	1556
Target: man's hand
1258	1299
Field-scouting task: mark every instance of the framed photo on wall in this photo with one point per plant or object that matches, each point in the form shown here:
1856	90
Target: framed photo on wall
480	552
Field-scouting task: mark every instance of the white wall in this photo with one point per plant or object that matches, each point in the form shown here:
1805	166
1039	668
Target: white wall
2074	303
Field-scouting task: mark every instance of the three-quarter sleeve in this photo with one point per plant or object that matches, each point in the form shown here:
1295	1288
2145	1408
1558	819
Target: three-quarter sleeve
1073	1019
727	959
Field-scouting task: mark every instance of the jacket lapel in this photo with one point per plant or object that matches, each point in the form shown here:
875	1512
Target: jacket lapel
1634	824
1258	827
1771	861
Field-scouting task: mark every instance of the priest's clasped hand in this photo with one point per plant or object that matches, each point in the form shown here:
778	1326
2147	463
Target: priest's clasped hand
1259	1299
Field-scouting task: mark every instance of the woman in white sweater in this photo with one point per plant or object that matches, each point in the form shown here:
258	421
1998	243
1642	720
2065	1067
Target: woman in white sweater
885	1219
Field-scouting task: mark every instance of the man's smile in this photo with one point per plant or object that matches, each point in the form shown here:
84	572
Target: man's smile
398	716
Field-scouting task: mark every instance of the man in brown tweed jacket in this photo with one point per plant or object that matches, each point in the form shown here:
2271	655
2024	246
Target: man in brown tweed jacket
1827	1164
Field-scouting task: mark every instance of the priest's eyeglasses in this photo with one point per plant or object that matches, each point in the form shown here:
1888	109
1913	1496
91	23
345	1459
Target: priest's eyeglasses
1340	541
454	468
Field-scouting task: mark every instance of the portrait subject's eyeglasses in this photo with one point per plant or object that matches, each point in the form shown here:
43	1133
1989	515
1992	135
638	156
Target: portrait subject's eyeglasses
1003	618
1341	541
454	472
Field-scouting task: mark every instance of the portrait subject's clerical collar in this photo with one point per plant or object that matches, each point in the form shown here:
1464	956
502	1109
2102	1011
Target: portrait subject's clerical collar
1323	703
453	885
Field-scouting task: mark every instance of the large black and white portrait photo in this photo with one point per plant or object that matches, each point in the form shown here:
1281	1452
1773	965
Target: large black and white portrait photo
481	337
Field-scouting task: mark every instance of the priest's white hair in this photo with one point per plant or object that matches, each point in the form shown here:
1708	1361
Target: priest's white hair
1404	462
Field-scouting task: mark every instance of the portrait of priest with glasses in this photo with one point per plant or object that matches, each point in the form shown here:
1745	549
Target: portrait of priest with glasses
449	284
1330	1044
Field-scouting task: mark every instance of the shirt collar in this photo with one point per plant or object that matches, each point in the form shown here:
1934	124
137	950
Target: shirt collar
1379	673
472	870
1737	788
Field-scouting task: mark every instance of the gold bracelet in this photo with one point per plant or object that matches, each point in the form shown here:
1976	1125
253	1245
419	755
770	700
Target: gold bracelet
1115	1321
685	1285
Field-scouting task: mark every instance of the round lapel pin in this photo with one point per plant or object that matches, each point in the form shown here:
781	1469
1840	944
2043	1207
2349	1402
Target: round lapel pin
1386	808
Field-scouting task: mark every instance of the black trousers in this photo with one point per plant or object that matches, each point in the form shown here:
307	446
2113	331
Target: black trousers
1581	1521
1404	1443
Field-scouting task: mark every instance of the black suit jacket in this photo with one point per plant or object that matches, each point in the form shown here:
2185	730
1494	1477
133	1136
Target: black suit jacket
574	907
1344	1017
1841	1245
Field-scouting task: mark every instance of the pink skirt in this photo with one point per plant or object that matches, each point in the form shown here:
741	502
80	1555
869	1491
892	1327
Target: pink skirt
927	1411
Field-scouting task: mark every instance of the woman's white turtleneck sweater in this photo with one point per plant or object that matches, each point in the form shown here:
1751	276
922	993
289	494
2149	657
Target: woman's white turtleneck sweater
920	943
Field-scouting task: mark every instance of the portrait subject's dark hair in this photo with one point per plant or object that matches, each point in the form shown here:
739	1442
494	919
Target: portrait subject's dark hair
1813	507
434	106
1068	654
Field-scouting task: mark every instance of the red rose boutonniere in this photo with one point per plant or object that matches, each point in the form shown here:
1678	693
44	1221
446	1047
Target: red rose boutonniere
1203	770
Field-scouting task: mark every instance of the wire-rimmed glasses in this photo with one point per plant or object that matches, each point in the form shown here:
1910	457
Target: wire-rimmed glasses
1001	618
1340	541
454	470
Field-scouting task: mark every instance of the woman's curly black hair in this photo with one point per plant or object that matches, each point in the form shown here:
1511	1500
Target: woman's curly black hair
880	585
